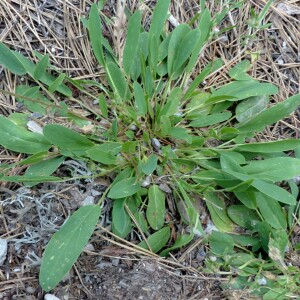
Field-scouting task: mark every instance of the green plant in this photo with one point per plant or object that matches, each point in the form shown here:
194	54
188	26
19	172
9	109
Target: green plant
156	131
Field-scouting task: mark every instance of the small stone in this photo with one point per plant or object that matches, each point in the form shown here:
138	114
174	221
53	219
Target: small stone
115	261
89	247
30	290
88	201
95	193
3	250
156	143
50	297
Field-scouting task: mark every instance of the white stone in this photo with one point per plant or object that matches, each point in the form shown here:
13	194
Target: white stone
3	250
50	297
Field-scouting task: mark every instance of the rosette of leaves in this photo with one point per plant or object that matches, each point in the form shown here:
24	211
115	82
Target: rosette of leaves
164	136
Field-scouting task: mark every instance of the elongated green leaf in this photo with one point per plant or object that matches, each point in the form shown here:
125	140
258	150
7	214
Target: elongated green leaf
211	119
95	30
41	67
269	189
31	179
205	25
153	54
157	240
141	220
271	211
220	243
66	245
121	222
247	197
217	209
209	68
243	216
139	98
17	139
66	138
239	71
56	83
131	45
171	107
245	89
181	134
117	81
10	61
156	208
248	108
124	188
177	36
44	168
159	17
150	165
181	241
275	169
270	116
185	49
46	78
97	154
38	103
269	147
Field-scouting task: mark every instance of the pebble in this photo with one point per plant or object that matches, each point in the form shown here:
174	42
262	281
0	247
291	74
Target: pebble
50	297
115	262
88	200
3	250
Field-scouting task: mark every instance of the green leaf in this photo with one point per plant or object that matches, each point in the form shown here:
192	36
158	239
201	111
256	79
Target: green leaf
171	107
269	147
270	116
150	165
177	36
10	61
220	243
65	138
139	98
56	83
121	222
181	241
39	102
31	179
205	25
44	168
131	45
103	106
239	71
41	67
211	119
66	245
117	81
245	89
156	208
209	68
46	78
274	169
243	216
141	220
95	30
250	107
98	155
17	139
159	17
181	134
157	240
247	197
185	48
271	211
218	212
124	188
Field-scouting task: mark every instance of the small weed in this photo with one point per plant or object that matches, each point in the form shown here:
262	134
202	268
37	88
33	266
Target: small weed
156	132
